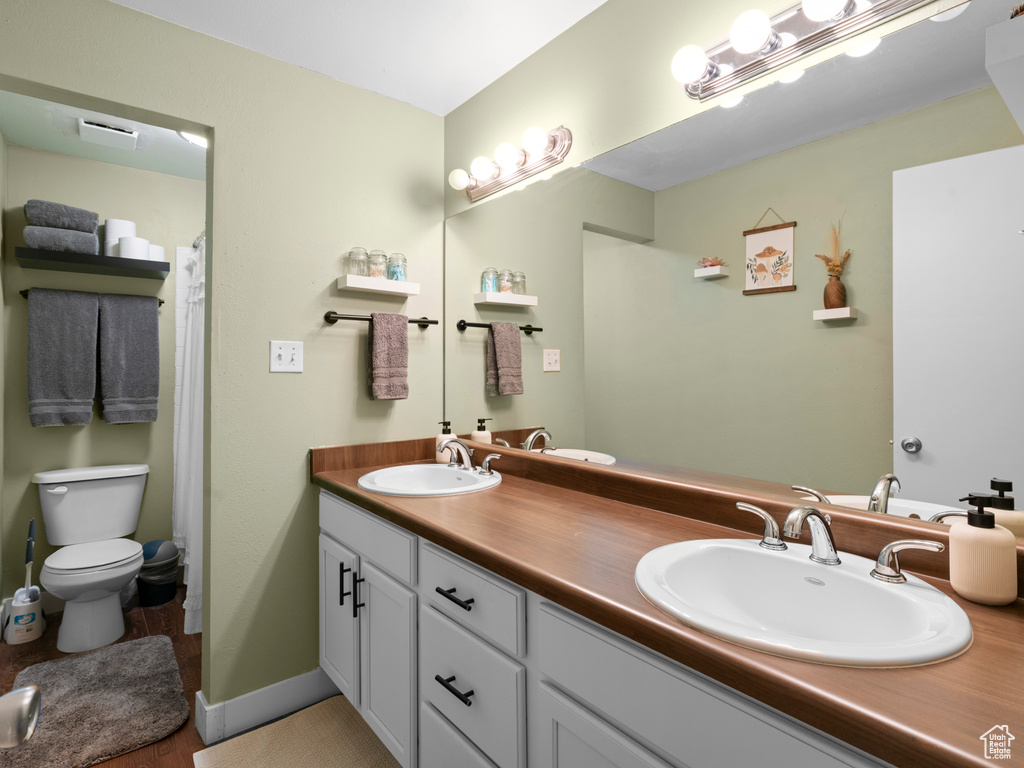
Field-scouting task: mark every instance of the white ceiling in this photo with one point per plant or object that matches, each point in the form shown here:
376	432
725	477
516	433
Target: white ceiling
432	54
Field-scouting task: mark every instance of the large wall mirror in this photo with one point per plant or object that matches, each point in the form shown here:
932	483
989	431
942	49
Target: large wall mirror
661	367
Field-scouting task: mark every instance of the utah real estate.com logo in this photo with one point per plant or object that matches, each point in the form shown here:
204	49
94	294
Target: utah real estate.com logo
997	742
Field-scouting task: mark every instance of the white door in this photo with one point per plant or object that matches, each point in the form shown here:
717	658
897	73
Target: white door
958	324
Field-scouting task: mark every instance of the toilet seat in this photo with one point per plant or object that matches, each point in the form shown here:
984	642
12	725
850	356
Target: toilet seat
93	555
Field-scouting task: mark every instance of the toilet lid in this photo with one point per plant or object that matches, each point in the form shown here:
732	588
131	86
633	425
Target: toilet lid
93	554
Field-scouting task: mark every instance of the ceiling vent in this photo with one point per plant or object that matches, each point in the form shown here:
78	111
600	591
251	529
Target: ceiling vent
107	135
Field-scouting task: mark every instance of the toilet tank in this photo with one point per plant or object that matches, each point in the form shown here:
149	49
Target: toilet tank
86	504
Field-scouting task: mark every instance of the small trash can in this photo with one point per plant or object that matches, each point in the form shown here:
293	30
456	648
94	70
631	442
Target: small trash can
158	578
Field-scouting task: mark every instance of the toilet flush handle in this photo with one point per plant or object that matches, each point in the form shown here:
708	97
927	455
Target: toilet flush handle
60	490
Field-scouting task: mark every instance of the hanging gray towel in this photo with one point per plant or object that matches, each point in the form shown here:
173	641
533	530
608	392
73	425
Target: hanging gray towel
43	213
129	358
50	239
388	355
504	360
61	356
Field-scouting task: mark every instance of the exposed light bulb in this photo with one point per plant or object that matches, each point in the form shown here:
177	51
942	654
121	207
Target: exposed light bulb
792	77
732	102
690	64
536	140
952	13
825	10
751	32
865	49
509	156
483	168
458	179
191	138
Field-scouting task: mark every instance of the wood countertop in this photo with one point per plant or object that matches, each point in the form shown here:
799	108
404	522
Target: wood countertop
580	550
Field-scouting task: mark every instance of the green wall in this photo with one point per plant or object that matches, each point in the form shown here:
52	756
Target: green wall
301	169
168	211
3	364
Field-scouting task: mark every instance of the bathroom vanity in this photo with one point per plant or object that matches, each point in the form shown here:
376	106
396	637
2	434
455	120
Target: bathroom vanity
503	629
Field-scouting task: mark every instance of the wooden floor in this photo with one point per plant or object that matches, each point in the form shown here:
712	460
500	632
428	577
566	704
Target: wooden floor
176	750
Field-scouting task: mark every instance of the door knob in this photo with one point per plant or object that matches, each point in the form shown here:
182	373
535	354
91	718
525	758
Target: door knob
910	444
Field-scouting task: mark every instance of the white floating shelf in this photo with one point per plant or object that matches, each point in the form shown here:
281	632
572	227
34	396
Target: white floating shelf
843	313
378	285
515	299
708	273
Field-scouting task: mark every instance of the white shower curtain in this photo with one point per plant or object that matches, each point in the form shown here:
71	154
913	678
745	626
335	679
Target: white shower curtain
188	453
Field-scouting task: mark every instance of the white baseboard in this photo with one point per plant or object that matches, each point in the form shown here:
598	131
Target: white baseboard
216	722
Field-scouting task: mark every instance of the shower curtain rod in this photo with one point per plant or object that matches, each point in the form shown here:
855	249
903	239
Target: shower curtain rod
160	302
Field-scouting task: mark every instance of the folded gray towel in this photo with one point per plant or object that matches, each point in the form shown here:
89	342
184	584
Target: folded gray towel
61	356
504	360
50	239
42	213
129	358
388	355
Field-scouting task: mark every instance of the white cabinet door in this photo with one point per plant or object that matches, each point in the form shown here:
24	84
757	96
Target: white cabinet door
388	664
958	364
339	628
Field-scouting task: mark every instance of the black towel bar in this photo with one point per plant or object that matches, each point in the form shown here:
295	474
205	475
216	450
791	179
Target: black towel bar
527	329
160	302
333	317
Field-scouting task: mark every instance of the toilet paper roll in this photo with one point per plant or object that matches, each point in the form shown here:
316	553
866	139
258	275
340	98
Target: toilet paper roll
113	231
133	248
156	252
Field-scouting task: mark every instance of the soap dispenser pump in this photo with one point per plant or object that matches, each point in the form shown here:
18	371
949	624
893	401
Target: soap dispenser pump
445	456
982	556
481	435
1003	508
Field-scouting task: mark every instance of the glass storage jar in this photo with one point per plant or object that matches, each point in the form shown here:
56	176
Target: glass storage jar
397	267
504	281
489	280
518	283
377	264
355	262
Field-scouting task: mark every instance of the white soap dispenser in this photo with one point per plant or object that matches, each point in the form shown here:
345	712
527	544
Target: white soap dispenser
445	456
480	434
1003	508
982	556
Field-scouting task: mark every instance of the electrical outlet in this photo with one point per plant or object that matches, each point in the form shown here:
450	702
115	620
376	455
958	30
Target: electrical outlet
286	357
552	359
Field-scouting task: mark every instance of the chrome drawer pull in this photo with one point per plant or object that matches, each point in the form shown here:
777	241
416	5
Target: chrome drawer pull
466	605
447	683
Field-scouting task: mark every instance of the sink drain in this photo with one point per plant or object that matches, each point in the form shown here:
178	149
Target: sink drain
814	581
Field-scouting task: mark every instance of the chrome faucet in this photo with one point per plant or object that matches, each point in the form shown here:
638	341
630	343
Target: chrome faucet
940	516
532	438
19	716
887	566
771	539
879	501
823	544
822	498
461	453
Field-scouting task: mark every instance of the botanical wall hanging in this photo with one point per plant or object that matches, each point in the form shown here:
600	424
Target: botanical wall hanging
769	258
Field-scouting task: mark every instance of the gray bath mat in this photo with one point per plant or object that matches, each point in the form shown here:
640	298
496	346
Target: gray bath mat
101	704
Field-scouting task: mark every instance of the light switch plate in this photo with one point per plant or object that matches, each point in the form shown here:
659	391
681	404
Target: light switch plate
286	357
552	359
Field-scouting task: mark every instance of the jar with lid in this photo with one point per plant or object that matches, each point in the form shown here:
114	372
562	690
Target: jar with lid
377	264
518	283
397	268
489	280
355	262
504	281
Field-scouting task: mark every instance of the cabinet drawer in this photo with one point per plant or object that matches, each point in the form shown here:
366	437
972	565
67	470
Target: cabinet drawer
679	712
387	545
497	609
493	719
442	746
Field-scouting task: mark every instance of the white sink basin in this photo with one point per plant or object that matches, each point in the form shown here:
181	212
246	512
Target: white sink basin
426	480
594	457
784	604
897	506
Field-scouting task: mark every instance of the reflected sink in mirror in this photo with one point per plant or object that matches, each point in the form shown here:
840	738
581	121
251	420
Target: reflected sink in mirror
578	454
426	480
783	604
918	510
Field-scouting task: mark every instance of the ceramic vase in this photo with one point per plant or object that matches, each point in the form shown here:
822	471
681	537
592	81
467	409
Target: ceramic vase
835	293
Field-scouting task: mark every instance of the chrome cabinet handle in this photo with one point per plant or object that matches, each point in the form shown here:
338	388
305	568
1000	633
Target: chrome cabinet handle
447	683
887	568
466	605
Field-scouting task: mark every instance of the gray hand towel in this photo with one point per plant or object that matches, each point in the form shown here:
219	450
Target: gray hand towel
129	358
504	360
50	239
42	213
389	356
61	356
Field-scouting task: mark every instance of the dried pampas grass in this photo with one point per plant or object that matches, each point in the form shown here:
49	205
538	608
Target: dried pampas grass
836	263
1017	11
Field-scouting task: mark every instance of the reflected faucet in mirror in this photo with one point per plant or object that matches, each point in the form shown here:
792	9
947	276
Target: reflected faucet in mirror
879	501
527	445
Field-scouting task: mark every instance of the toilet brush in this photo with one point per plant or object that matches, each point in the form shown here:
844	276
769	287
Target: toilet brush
24	620
28	558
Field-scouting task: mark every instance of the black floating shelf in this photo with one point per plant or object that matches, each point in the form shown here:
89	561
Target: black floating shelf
65	261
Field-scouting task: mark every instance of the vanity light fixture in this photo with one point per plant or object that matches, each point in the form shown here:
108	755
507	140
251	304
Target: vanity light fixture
758	44
192	138
541	150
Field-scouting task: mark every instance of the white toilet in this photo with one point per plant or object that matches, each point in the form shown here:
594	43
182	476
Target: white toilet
86	510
